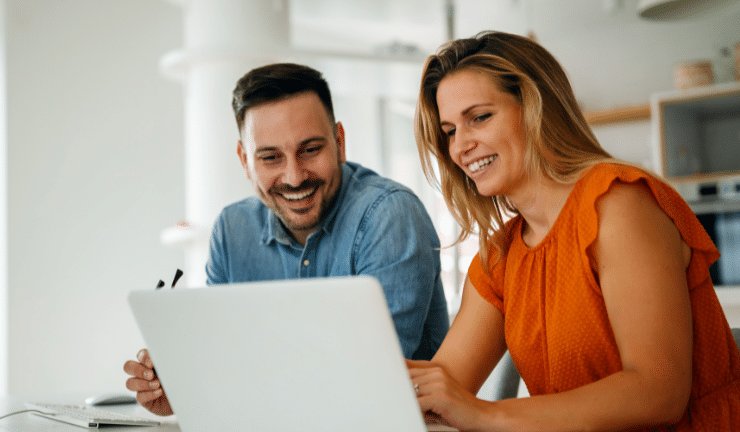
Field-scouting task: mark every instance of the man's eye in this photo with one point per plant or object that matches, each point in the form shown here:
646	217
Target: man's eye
268	158
312	151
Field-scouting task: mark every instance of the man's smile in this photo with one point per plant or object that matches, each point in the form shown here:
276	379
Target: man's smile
297	196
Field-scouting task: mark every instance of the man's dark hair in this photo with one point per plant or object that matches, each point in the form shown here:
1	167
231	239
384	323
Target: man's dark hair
278	81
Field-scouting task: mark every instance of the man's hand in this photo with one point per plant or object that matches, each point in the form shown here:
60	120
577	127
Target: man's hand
149	391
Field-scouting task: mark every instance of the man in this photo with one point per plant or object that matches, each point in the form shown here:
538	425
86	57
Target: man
316	215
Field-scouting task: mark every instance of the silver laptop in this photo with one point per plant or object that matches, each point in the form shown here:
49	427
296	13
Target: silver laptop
299	355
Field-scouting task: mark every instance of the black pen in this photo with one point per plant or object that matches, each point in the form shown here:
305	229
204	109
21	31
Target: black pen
178	273
160	284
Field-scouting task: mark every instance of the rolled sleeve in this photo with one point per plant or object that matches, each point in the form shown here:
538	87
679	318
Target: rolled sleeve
216	272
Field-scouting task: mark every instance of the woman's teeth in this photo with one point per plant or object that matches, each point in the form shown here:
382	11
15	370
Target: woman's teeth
480	164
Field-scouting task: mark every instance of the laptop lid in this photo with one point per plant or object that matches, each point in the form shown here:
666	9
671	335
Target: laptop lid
307	355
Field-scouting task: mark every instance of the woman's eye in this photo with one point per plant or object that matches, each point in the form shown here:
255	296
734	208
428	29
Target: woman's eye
449	132
482	117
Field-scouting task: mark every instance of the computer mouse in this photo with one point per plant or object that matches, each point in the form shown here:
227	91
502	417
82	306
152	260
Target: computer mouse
111	399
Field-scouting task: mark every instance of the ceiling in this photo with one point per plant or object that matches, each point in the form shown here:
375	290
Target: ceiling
368	25
613	57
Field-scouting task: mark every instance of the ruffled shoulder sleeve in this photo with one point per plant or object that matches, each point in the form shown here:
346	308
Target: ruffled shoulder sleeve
597	181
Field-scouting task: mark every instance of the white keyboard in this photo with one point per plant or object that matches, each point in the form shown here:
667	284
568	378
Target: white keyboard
87	416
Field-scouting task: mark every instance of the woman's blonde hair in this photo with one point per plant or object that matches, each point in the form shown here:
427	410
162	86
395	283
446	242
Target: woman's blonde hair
560	143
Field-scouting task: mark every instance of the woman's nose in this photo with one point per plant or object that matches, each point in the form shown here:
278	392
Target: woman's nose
462	143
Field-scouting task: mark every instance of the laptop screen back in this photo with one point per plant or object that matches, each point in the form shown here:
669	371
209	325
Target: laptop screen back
298	355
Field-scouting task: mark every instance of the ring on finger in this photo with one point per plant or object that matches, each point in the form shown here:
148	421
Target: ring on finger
416	388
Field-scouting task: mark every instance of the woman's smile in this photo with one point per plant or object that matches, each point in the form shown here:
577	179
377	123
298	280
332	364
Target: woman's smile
481	163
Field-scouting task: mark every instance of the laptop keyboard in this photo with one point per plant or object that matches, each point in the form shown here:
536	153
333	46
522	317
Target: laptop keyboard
86	416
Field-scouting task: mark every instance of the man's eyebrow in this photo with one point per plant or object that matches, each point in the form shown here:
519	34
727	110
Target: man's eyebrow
302	144
266	150
311	140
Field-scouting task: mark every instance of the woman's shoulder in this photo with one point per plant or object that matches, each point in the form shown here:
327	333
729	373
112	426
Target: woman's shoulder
613	170
633	193
606	179
608	186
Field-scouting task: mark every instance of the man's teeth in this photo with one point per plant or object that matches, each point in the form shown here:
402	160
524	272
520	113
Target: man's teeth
297	196
480	164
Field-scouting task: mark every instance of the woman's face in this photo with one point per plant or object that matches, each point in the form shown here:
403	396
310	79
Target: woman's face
485	132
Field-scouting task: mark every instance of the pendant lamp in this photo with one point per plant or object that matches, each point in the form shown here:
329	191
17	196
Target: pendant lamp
662	9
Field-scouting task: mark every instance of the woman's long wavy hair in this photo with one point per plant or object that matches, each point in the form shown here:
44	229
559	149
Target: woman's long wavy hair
560	143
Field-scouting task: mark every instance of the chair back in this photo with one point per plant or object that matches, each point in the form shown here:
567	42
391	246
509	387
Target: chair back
503	383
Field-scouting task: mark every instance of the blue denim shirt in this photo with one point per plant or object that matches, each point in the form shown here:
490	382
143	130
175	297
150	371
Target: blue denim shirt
376	227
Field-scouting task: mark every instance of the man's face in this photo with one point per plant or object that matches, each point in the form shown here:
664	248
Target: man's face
292	155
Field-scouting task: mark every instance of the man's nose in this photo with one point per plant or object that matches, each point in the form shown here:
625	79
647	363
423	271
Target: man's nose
294	173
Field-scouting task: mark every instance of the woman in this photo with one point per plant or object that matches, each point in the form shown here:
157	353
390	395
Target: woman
598	283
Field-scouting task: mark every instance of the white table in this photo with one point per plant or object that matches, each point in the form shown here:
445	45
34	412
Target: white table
29	422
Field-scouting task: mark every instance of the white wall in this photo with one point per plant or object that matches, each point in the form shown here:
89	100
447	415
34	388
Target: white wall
95	173
631	141
613	58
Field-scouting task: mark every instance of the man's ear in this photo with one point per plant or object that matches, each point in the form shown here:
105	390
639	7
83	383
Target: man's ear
340	142
242	153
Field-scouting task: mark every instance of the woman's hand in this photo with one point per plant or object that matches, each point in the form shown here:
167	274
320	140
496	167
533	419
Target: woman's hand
442	399
149	391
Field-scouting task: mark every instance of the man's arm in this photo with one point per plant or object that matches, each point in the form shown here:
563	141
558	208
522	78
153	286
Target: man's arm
400	247
216	272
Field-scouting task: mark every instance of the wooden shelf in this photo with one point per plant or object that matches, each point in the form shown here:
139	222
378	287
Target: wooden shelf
620	114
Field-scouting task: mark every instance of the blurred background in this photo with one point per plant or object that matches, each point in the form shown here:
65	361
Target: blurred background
118	143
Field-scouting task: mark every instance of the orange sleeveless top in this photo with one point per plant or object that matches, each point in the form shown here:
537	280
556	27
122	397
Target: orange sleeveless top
556	324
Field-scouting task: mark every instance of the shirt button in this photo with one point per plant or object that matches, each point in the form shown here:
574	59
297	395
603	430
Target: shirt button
306	263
